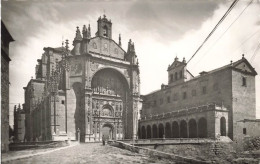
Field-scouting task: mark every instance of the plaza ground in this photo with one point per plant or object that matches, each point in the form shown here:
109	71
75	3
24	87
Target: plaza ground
88	153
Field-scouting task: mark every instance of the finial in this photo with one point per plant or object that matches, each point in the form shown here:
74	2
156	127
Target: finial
31	77
176	58
89	31
15	108
19	106
84	29
243	56
184	61
120	40
67	44
231	62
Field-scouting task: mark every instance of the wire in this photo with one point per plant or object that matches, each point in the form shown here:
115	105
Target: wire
225	31
214	29
255	52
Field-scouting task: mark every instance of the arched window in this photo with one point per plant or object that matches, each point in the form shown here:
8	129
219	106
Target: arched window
168	130
143	133
105	31
176	75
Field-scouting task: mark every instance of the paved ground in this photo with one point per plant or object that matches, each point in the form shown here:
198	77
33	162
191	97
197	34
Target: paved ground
90	153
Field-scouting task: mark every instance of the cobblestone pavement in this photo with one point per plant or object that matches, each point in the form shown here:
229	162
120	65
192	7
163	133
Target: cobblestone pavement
90	153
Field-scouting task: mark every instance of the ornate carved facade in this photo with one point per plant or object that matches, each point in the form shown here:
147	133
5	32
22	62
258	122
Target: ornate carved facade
99	94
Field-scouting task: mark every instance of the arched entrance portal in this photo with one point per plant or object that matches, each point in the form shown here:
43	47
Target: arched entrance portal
107	131
110	94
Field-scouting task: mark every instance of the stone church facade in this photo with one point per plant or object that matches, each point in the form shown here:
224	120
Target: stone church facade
210	105
98	94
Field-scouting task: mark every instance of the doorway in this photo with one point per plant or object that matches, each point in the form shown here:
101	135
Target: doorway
107	131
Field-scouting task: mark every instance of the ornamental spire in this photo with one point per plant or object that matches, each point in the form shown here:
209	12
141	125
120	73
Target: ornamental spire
120	44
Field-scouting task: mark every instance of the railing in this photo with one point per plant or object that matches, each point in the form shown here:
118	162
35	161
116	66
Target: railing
186	111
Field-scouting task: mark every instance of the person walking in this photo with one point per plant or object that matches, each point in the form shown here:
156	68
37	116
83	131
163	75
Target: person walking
103	140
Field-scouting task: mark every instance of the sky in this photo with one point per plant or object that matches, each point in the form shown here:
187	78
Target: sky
161	30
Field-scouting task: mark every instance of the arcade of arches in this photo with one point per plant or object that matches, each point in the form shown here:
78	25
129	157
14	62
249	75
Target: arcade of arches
191	128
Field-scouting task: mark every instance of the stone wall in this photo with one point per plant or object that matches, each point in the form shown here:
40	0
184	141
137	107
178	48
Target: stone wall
4	104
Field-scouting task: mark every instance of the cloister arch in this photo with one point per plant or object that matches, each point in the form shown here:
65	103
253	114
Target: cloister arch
192	129
161	130
155	131
149	132
202	128
183	129
143	132
175	130
223	131
168	130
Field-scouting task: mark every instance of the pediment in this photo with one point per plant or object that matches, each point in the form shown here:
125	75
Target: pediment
245	67
107	47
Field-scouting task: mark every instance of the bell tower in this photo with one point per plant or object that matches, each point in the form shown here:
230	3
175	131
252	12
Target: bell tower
104	27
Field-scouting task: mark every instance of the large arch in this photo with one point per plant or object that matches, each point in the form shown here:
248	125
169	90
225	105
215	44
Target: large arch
223	131
183	129
202	128
155	133
143	132
161	130
168	130
110	82
193	129
175	130
149	132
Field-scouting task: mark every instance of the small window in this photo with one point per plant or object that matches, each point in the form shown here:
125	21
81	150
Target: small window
175	97
193	92
161	101
168	99
176	75
62	102
171	78
243	81
180	74
204	90
184	96
154	102
215	87
244	131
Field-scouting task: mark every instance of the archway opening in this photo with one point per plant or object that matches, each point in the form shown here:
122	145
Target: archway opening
175	130
202	128
143	133
183	129
149	132
168	130
155	131
161	131
107	131
193	129
223	131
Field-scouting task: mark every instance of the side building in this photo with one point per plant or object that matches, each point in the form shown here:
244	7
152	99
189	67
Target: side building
6	38
19	124
207	106
87	92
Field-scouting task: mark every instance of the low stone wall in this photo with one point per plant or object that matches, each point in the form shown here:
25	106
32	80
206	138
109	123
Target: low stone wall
159	154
